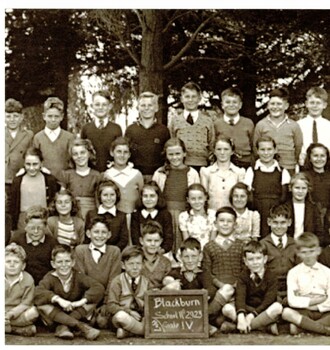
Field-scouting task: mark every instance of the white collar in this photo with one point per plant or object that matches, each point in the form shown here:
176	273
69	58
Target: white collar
312	118
52	132
234	119
220	239
29	240
125	171
214	167
145	213
102	210
275	239
129	278
97	121
101	249
261	166
17	280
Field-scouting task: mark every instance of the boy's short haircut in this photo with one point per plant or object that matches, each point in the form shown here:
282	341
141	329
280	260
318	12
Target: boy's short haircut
190	243
98	219
254	247
281	92
280	210
317	92
107	183
120	141
36	212
148	94
53	102
131	252
226	209
102	93
15	249
265	139
307	240
191	86
32	151
58	249
13	106
232	91
151	227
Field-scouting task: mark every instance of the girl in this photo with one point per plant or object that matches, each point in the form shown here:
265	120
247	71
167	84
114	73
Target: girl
108	195
248	221
82	181
318	170
153	207
197	221
33	185
220	177
64	225
267	181
128	179
304	212
173	179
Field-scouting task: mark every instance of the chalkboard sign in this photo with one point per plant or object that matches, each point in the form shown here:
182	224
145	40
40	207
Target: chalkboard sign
176	314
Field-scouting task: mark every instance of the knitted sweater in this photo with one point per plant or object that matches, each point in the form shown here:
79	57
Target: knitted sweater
155	271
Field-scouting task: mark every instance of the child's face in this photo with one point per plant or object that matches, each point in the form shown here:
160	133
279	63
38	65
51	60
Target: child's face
98	234
53	118
225	224
133	266
223	151
266	152
13	120
308	255
63	204
231	105
190	258
108	197
299	191
80	155
35	229
279	225
101	106
121	155
240	198
318	158
32	165
63	264
151	243
13	265
196	200
255	262
190	99
315	106
175	155
149	198
147	108
277	107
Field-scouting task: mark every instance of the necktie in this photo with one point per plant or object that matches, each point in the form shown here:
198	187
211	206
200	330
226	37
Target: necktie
190	119
257	279
280	243
315	138
231	122
134	284
101	125
98	254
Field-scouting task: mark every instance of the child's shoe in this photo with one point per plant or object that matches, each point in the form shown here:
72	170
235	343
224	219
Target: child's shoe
294	330
212	330
227	327
273	329
122	333
88	332
26	331
63	332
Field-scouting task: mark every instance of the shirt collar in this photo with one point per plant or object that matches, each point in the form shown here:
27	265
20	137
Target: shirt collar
138	121
29	240
214	167
102	210
145	213
101	249
65	283
17	280
97	121
244	214
220	239
261	166
228	119
261	274
129	278
285	120
306	268
275	239
312	118
53	132
116	172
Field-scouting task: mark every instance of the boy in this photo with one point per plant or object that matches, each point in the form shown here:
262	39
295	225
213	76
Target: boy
17	140
66	297
53	141
147	137
280	248
155	265
285	131
314	127
126	294
97	259
308	289
20	313
236	127
256	292
193	127
37	244
101	131
222	258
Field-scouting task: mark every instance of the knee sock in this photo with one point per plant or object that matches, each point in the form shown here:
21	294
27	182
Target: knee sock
312	326
325	320
261	320
134	326
216	304
63	318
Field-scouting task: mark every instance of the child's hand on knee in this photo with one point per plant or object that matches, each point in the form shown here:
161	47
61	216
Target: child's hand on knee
136	315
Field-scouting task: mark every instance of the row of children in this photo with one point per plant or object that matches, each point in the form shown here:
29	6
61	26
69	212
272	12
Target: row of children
250	285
